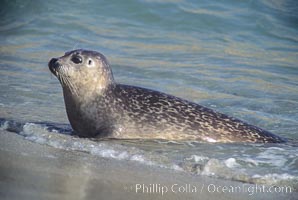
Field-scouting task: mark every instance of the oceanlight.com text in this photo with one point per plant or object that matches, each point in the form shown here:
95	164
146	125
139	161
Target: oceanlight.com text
250	189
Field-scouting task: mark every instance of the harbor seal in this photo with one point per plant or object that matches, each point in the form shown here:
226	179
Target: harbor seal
97	106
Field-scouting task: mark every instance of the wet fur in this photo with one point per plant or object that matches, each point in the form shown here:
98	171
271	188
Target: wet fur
99	107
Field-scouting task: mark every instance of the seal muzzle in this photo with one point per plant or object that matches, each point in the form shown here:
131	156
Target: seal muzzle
53	65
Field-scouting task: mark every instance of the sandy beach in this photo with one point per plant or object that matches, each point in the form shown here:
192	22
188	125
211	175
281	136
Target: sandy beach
238	58
32	171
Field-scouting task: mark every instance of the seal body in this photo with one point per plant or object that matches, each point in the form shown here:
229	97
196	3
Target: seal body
99	107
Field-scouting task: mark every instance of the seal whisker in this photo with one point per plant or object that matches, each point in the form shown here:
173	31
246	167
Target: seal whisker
75	45
60	78
67	83
72	86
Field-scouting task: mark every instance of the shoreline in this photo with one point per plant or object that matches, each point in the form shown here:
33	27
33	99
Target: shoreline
32	171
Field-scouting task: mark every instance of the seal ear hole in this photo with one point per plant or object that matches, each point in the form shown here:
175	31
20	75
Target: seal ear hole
89	62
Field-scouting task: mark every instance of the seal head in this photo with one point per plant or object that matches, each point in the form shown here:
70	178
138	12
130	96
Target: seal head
84	76
97	106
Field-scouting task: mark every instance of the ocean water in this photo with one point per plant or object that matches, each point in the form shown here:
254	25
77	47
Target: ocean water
237	57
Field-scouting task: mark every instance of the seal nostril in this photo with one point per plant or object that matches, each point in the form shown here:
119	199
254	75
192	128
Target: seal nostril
53	64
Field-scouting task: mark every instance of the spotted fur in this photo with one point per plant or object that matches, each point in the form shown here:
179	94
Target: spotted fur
99	107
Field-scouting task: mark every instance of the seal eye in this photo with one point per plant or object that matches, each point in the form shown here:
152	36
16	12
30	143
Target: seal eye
77	59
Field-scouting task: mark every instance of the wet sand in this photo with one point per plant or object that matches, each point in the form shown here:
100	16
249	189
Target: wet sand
32	171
